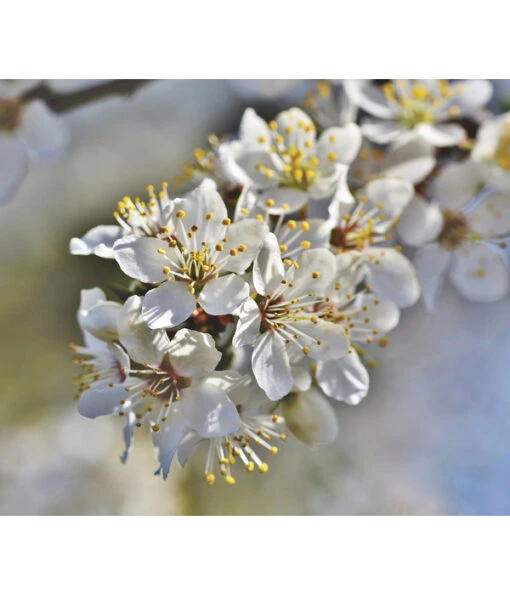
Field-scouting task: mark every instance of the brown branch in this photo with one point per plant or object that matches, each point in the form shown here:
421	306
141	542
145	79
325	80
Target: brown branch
63	102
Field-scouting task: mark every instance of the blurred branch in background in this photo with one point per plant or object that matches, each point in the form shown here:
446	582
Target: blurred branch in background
63	102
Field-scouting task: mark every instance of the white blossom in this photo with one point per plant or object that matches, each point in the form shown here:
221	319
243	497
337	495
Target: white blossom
459	234
492	151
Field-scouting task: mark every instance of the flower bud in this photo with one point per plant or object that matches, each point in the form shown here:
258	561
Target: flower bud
310	417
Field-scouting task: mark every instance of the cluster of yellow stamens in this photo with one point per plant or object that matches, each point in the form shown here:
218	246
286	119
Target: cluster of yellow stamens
204	163
259	430
421	104
94	368
145	218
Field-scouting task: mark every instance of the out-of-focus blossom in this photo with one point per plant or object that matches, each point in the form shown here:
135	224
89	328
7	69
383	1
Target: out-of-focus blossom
402	108
330	103
492	151
285	162
30	134
459	235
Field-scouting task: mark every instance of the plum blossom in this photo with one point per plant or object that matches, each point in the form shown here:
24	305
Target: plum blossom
403	108
286	163
199	263
459	234
363	225
281	322
330	103
30	135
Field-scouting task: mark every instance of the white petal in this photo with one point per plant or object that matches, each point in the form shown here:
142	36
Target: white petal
252	129
316	272
97	402
286	200
99	241
248	325
333	341
268	266
193	354
167	439
371	99
431	263
383	314
228	380
301	379
139	258
45	133
209	411
296	127
245	237
101	321
271	366
252	161
198	207
168	305
380	131
310	417
442	135
187	447
142	343
412	160
392	276
480	273
342	141
223	295
13	166
420	223
127	434
475	94
393	193
345	379
457	184
491	217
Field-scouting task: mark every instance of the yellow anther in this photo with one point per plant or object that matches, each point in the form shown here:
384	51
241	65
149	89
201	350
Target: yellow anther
198	154
259	217
279	139
308	144
166	270
262	139
305	244
364	154
389	91
273	125
419	92
242	248
150	188
332	156
269	173
283	247
115	214
288	129
180	214
244	211
331	138
208	216
304	226
263	467
453	111
161	251
371	363
314	161
270	202
298	174
383	341
191	289
291	224
219	247
306	350
226	221
273	450
285	206
233	252
315	275
275	419
209	478
250	466
155	428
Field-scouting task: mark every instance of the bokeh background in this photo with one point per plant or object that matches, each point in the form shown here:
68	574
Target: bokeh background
432	437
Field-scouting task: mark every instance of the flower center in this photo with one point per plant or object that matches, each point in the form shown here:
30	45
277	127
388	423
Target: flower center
10	114
455	230
419	103
502	152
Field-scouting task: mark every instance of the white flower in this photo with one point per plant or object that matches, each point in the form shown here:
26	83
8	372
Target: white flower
492	150
281	322
134	218
366	318
190	265
459	234
286	164
30	134
258	430
171	386
405	107
411	159
361	225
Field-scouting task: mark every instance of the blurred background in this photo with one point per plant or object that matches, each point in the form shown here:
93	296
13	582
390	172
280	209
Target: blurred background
432	437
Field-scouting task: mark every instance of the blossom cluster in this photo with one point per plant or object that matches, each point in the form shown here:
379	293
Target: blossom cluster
260	292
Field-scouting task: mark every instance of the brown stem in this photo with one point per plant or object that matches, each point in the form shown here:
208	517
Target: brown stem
63	102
